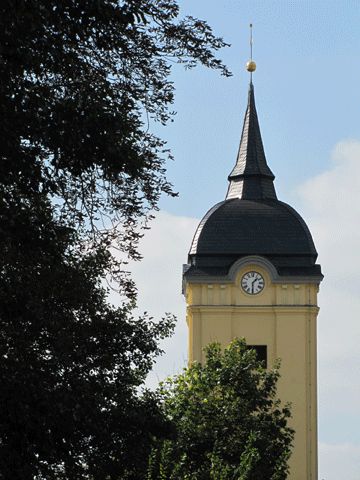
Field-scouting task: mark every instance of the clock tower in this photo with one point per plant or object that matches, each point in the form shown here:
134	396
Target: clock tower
252	273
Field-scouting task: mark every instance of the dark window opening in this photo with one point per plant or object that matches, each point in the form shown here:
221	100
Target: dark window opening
261	353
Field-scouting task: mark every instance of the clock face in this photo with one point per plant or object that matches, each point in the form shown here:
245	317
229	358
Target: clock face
252	283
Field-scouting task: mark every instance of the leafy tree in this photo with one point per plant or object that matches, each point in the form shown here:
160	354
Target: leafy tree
81	82
229	424
71	364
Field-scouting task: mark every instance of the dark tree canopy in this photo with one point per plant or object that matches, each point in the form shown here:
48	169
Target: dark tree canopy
71	364
228	423
80	83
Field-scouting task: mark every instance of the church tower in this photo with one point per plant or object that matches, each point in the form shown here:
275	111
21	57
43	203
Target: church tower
251	273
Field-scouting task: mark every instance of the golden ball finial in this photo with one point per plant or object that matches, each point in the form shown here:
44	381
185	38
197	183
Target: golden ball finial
251	66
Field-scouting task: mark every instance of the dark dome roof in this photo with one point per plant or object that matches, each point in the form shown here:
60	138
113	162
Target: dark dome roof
252	221
248	227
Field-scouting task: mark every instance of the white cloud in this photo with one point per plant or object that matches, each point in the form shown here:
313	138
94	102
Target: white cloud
339	462
332	201
158	278
331	207
331	204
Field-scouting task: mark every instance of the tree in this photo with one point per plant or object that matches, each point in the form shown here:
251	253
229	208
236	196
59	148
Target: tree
71	364
228	423
80	171
81	84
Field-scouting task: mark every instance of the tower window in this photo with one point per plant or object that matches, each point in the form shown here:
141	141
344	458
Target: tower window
261	353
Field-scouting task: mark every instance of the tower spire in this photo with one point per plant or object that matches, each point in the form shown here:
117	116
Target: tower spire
251	178
251	65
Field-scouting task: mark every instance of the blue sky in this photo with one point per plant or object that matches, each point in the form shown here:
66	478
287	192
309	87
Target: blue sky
307	96
306	88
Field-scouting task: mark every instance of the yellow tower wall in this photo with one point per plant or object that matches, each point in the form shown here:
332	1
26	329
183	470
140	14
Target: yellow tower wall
282	317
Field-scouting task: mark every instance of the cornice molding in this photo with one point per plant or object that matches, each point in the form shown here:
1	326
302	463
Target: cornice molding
253	260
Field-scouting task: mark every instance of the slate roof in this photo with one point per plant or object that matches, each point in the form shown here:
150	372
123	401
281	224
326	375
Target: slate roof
251	220
251	177
244	227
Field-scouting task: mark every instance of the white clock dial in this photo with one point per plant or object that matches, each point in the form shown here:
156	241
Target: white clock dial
252	283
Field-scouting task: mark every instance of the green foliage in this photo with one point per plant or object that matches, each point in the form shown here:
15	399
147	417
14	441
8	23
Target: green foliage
81	82
229	424
71	364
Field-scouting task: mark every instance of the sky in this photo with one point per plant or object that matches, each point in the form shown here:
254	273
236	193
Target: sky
307	97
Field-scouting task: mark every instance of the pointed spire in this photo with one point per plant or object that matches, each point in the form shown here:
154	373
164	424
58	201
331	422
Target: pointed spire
251	178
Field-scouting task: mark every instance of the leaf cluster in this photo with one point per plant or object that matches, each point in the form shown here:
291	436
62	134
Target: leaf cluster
71	364
80	82
229	424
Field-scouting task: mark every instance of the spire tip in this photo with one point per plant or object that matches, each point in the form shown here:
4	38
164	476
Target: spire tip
251	65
